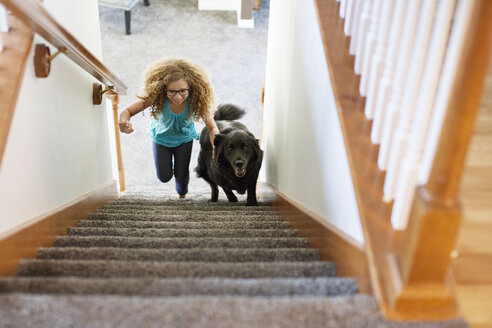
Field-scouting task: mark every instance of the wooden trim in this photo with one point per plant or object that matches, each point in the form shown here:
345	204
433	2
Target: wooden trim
25	241
257	4
333	244
368	181
121	170
17	43
32	13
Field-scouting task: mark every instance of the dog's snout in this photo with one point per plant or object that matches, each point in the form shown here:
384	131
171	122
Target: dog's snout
239	163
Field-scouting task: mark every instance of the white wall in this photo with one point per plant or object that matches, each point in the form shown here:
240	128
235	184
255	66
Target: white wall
305	158
58	147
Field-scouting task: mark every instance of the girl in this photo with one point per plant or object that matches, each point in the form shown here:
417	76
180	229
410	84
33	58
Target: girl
178	93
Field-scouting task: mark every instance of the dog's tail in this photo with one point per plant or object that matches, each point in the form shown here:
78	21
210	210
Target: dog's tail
228	112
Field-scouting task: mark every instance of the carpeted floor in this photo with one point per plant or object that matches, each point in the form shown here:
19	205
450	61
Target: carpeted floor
146	260
235	58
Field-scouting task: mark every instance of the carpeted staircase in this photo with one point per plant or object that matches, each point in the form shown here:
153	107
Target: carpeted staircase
147	261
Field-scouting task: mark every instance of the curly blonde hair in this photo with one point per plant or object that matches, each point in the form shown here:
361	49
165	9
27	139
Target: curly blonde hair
202	97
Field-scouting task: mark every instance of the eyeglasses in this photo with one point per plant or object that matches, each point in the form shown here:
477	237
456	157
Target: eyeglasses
182	92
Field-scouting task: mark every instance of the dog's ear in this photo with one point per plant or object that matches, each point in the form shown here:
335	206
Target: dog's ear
218	140
257	149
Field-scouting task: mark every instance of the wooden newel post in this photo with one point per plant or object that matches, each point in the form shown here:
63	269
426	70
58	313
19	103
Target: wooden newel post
424	255
115	100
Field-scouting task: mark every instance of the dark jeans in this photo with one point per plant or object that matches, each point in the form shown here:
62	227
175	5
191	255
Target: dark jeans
163	159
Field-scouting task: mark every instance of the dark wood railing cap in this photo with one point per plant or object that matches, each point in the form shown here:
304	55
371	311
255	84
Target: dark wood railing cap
32	13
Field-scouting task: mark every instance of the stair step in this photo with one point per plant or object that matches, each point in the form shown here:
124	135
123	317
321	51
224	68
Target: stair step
179	203
180	233
113	269
187	216
184	225
180	210
201	311
182	206
324	286
205	242
194	254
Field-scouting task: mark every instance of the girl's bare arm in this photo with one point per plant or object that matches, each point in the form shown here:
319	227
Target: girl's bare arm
211	127
135	108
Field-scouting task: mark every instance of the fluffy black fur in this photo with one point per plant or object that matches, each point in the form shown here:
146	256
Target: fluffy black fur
237	159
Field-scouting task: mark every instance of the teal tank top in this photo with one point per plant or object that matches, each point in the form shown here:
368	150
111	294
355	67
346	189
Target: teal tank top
171	129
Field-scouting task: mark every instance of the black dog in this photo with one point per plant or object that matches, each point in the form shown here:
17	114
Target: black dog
237	159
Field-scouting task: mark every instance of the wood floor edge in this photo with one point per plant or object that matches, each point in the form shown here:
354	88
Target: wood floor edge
333	244
24	242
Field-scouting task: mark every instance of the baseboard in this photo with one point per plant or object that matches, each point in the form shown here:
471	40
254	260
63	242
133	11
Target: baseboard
25	241
246	23
333	244
218	5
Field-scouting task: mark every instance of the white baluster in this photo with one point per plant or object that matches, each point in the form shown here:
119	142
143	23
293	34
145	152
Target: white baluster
408	178
377	62
365	19
355	27
392	117
4	25
456	47
349	17
370	45
420	55
386	86
343	8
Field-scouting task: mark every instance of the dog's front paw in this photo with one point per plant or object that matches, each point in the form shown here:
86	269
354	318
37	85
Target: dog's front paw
251	203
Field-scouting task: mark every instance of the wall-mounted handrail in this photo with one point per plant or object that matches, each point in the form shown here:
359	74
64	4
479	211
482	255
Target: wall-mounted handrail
32	13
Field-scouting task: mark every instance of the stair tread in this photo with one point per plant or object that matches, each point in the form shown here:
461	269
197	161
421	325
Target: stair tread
201	311
115	268
176	233
194	254
187	216
184	209
163	202
273	224
203	242
320	286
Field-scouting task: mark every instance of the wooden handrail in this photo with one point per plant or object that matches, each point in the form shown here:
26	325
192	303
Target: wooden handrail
32	13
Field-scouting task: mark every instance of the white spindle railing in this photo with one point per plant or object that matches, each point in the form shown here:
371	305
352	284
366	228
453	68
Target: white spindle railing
354	27
407	175
349	17
457	40
365	19
370	45
385	88
343	8
406	63
407	45
397	145
377	60
4	24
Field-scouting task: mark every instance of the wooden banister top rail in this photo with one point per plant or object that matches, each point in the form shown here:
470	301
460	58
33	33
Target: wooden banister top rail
32	13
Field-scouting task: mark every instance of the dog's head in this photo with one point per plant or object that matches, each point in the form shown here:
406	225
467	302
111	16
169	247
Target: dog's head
238	149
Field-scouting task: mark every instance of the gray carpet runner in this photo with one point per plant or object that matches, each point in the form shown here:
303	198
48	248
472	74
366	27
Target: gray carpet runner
149	261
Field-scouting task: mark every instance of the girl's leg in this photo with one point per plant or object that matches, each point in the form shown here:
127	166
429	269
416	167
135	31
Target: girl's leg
163	162
182	156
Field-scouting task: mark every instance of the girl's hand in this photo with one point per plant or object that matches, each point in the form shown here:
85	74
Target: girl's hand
125	127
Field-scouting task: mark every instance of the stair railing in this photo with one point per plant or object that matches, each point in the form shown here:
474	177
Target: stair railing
417	99
30	14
